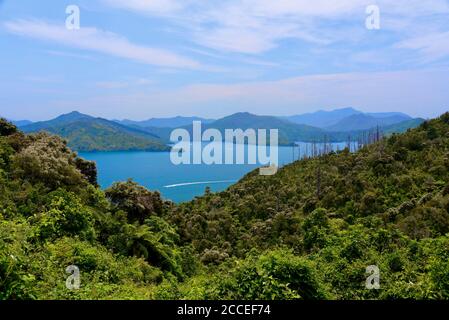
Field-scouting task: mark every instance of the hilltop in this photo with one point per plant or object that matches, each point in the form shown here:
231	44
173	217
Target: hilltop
86	133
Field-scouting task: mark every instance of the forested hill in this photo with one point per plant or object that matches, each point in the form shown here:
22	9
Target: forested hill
86	133
385	205
308	232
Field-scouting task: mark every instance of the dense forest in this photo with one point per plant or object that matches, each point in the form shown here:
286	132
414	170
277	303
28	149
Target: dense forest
308	232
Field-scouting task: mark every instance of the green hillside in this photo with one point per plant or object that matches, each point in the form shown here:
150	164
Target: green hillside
402	127
86	133
308	232
386	205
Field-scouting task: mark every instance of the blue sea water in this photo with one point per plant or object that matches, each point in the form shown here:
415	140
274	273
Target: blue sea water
183	182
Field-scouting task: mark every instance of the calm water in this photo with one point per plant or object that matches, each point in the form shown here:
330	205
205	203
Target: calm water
179	183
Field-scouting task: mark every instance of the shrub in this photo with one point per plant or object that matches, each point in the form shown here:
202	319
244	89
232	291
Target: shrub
64	215
274	275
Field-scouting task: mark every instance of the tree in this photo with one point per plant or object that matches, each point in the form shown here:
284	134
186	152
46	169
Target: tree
6	127
88	169
64	215
48	160
138	202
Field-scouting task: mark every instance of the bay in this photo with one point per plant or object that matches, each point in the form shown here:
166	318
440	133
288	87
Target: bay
183	182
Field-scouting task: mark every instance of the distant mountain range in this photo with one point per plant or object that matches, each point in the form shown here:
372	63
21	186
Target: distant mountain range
322	119
348	119
364	121
21	123
290	132
87	133
174	122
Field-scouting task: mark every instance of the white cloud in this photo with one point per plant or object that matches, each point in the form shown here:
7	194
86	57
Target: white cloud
100	41
432	47
235	40
257	26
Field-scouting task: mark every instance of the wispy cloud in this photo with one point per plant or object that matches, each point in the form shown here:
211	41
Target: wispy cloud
432	47
257	26
69	54
101	41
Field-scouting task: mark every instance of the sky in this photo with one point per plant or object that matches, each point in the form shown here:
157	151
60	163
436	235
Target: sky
139	59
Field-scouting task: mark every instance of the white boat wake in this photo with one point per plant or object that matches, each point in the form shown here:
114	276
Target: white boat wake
199	182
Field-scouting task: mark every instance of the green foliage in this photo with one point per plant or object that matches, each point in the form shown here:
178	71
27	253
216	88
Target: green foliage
373	205
15	281
316	229
88	169
138	202
99	270
63	215
276	274
6	127
48	160
53	215
308	232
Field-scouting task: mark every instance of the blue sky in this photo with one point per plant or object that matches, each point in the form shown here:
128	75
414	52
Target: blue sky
153	58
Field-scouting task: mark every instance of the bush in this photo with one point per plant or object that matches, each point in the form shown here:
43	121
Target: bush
103	275
64	215
274	275
16	282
